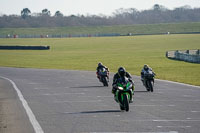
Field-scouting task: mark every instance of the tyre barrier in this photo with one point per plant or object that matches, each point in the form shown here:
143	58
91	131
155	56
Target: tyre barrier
25	47
192	56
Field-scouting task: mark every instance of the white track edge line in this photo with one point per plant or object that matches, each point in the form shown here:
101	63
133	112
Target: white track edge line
177	83
36	126
174	82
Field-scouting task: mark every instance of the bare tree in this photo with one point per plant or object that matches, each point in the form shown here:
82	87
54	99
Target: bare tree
122	16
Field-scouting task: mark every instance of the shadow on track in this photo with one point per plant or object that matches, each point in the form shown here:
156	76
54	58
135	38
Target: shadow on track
87	86
140	91
96	112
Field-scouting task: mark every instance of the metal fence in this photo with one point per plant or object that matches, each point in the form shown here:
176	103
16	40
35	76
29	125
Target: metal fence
88	35
60	35
185	55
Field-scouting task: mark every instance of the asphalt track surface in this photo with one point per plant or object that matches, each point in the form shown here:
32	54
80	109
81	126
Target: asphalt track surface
76	102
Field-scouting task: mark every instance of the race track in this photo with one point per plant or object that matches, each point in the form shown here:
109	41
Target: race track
76	102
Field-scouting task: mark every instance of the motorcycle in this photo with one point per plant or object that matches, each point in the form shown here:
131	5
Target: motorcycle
124	93
103	76
149	80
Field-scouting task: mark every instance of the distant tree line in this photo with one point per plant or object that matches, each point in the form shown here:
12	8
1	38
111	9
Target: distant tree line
157	14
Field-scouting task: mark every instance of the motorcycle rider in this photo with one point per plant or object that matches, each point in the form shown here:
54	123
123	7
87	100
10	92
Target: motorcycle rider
146	68
99	67
121	73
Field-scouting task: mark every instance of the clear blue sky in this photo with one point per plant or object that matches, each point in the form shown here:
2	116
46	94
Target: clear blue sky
106	7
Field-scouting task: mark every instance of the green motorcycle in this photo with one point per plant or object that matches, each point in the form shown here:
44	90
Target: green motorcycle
124	93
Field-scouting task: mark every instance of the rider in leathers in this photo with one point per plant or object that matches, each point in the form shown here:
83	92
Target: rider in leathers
99	67
145	69
121	73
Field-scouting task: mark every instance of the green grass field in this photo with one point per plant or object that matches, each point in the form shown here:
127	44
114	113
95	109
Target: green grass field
120	29
131	52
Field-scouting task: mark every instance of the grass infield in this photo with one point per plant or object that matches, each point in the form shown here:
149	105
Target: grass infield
119	29
131	52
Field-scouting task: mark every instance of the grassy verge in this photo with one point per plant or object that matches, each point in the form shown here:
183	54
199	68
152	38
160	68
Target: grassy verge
120	29
130	52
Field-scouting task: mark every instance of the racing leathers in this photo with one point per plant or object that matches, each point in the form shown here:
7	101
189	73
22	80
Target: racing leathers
100	67
115	79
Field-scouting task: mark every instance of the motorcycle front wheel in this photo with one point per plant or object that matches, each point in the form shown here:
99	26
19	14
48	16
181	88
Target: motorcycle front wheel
126	102
147	85
105	82
151	85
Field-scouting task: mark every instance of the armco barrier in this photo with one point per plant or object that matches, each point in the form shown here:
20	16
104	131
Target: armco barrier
192	56
67	35
25	47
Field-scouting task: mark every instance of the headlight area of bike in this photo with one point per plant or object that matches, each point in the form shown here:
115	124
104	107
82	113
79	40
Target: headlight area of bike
125	87
120	88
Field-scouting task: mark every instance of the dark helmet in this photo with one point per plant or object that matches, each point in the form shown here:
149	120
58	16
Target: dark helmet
100	64
146	67
121	71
